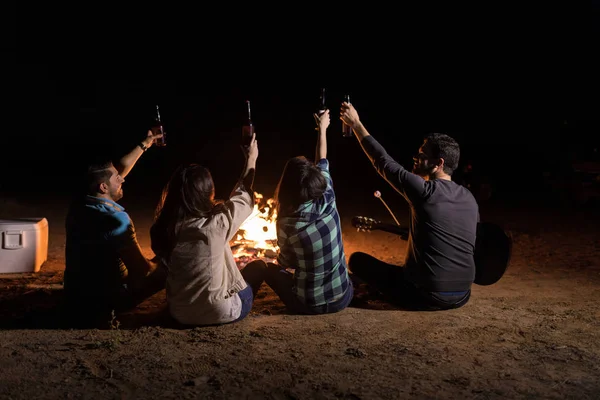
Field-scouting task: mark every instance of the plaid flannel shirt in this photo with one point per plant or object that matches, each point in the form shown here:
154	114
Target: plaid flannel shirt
310	242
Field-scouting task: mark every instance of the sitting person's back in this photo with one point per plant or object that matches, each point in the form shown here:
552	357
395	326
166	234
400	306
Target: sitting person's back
439	267
96	229
311	275
440	250
191	235
203	276
105	269
310	241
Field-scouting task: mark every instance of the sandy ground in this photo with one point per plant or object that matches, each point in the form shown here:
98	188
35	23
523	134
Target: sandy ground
534	334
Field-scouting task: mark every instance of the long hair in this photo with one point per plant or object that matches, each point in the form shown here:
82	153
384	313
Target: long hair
300	182
190	193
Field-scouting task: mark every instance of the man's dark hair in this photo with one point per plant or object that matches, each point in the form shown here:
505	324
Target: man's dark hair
440	145
97	172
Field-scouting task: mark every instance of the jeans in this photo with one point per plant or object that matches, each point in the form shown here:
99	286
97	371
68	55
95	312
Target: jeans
282	282
254	275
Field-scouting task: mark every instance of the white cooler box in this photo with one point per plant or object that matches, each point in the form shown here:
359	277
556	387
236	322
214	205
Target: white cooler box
24	246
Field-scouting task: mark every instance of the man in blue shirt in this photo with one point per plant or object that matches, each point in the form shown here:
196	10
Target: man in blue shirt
105	269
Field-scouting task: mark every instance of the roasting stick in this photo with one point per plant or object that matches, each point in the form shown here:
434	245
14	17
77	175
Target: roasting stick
378	195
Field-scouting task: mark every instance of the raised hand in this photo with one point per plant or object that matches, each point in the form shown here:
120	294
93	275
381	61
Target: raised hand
322	120
349	115
151	137
251	151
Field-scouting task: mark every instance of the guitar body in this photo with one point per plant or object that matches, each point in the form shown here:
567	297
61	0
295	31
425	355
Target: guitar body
493	247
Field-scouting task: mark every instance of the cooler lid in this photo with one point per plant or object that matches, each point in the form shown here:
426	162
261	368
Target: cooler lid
23	223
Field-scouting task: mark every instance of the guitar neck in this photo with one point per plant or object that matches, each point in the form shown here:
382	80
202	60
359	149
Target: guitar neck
370	224
389	228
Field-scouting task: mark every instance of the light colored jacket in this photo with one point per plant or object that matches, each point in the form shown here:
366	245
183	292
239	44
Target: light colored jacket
204	279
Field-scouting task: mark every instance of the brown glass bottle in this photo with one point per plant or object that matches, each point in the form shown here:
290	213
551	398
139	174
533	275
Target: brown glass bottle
248	128
157	127
346	130
321	108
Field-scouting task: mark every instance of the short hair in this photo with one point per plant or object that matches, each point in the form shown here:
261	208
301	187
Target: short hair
301	181
98	172
440	145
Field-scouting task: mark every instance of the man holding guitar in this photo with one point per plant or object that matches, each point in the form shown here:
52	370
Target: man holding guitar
439	267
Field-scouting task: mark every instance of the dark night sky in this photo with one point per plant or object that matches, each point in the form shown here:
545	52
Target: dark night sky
503	87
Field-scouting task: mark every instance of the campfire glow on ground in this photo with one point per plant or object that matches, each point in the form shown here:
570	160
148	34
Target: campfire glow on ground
257	237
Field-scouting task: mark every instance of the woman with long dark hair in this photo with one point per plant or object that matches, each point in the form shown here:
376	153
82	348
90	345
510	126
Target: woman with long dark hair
311	275
191	235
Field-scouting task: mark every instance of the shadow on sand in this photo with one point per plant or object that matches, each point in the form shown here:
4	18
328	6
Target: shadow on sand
26	307
42	307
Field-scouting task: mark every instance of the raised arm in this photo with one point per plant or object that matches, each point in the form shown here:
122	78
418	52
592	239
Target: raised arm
241	199
411	186
349	116
251	153
323	124
126	163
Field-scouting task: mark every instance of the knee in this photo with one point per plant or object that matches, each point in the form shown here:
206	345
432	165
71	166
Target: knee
259	266
358	261
274	273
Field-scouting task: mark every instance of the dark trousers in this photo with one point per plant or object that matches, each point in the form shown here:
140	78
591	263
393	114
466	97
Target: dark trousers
389	280
282	282
83	309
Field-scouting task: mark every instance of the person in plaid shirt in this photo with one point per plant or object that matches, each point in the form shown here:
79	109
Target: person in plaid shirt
310	275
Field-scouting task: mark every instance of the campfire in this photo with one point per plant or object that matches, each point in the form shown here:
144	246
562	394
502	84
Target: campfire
257	237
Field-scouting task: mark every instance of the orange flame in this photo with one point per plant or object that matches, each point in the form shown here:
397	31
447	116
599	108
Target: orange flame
257	236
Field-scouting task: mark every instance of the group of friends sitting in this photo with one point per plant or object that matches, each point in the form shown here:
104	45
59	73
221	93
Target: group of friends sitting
107	271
